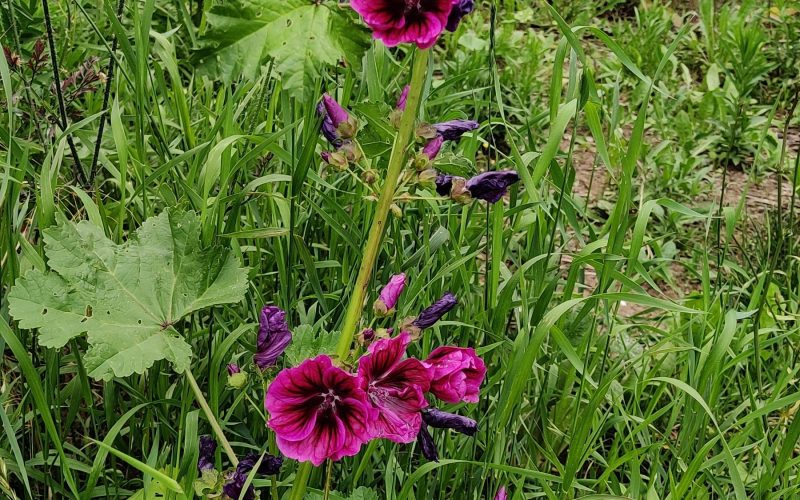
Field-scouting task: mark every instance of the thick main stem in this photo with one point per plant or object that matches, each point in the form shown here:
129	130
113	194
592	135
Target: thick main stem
396	162
201	400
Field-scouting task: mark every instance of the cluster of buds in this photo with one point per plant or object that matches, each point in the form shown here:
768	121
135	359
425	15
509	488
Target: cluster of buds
339	127
34	63
84	80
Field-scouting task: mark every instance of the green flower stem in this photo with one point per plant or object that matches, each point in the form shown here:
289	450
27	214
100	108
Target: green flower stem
396	162
356	305
201	400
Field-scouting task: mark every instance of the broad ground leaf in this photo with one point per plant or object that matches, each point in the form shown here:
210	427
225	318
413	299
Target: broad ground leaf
126	298
301	36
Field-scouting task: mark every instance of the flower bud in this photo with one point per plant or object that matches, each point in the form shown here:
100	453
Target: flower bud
401	101
426	131
427	178
460	9
443	184
365	337
491	186
444	420
369	176
459	192
350	150
453	130
435	311
431	150
389	295
396	211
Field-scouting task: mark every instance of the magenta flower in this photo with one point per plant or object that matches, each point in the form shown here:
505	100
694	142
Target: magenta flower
454	129
389	295
431	150
273	337
318	411
491	186
405	21
501	494
434	313
460	9
401	101
457	374
444	420
395	387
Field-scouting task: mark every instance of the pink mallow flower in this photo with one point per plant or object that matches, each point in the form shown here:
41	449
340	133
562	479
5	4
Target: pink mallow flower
318	411
405	21
457	374
395	387
389	295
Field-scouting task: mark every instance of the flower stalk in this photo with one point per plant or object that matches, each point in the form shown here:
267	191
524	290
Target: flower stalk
396	163
372	247
201	400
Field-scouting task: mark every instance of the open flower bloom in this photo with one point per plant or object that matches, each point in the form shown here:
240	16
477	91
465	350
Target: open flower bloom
434	313
457	374
491	186
273	336
395	387
390	294
460	9
454	129
234	482
444	420
318	411
405	21
426	444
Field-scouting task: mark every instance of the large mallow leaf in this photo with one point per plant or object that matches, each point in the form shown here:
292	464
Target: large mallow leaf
125	298
300	35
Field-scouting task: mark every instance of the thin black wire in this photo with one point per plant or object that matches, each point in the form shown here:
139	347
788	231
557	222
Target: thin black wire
106	95
77	167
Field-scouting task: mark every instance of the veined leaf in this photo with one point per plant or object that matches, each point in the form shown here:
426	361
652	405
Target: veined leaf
126	298
300	35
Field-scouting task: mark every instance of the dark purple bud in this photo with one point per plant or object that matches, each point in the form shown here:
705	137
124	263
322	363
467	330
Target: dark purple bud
444	420
273	337
491	186
233	369
368	334
434	313
334	110
327	128
234	482
207	448
426	444
443	184
326	156
431	150
460	9
454	129
401	101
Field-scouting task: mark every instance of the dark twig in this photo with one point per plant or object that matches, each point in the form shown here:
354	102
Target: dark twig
77	167
106	96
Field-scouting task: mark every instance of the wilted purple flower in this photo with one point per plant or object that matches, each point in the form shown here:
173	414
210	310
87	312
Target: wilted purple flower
207	448
431	150
501	494
454	129
443	184
401	101
491	186
426	444
387	299
235	481
233	369
444	420
273	336
434	313
460	9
